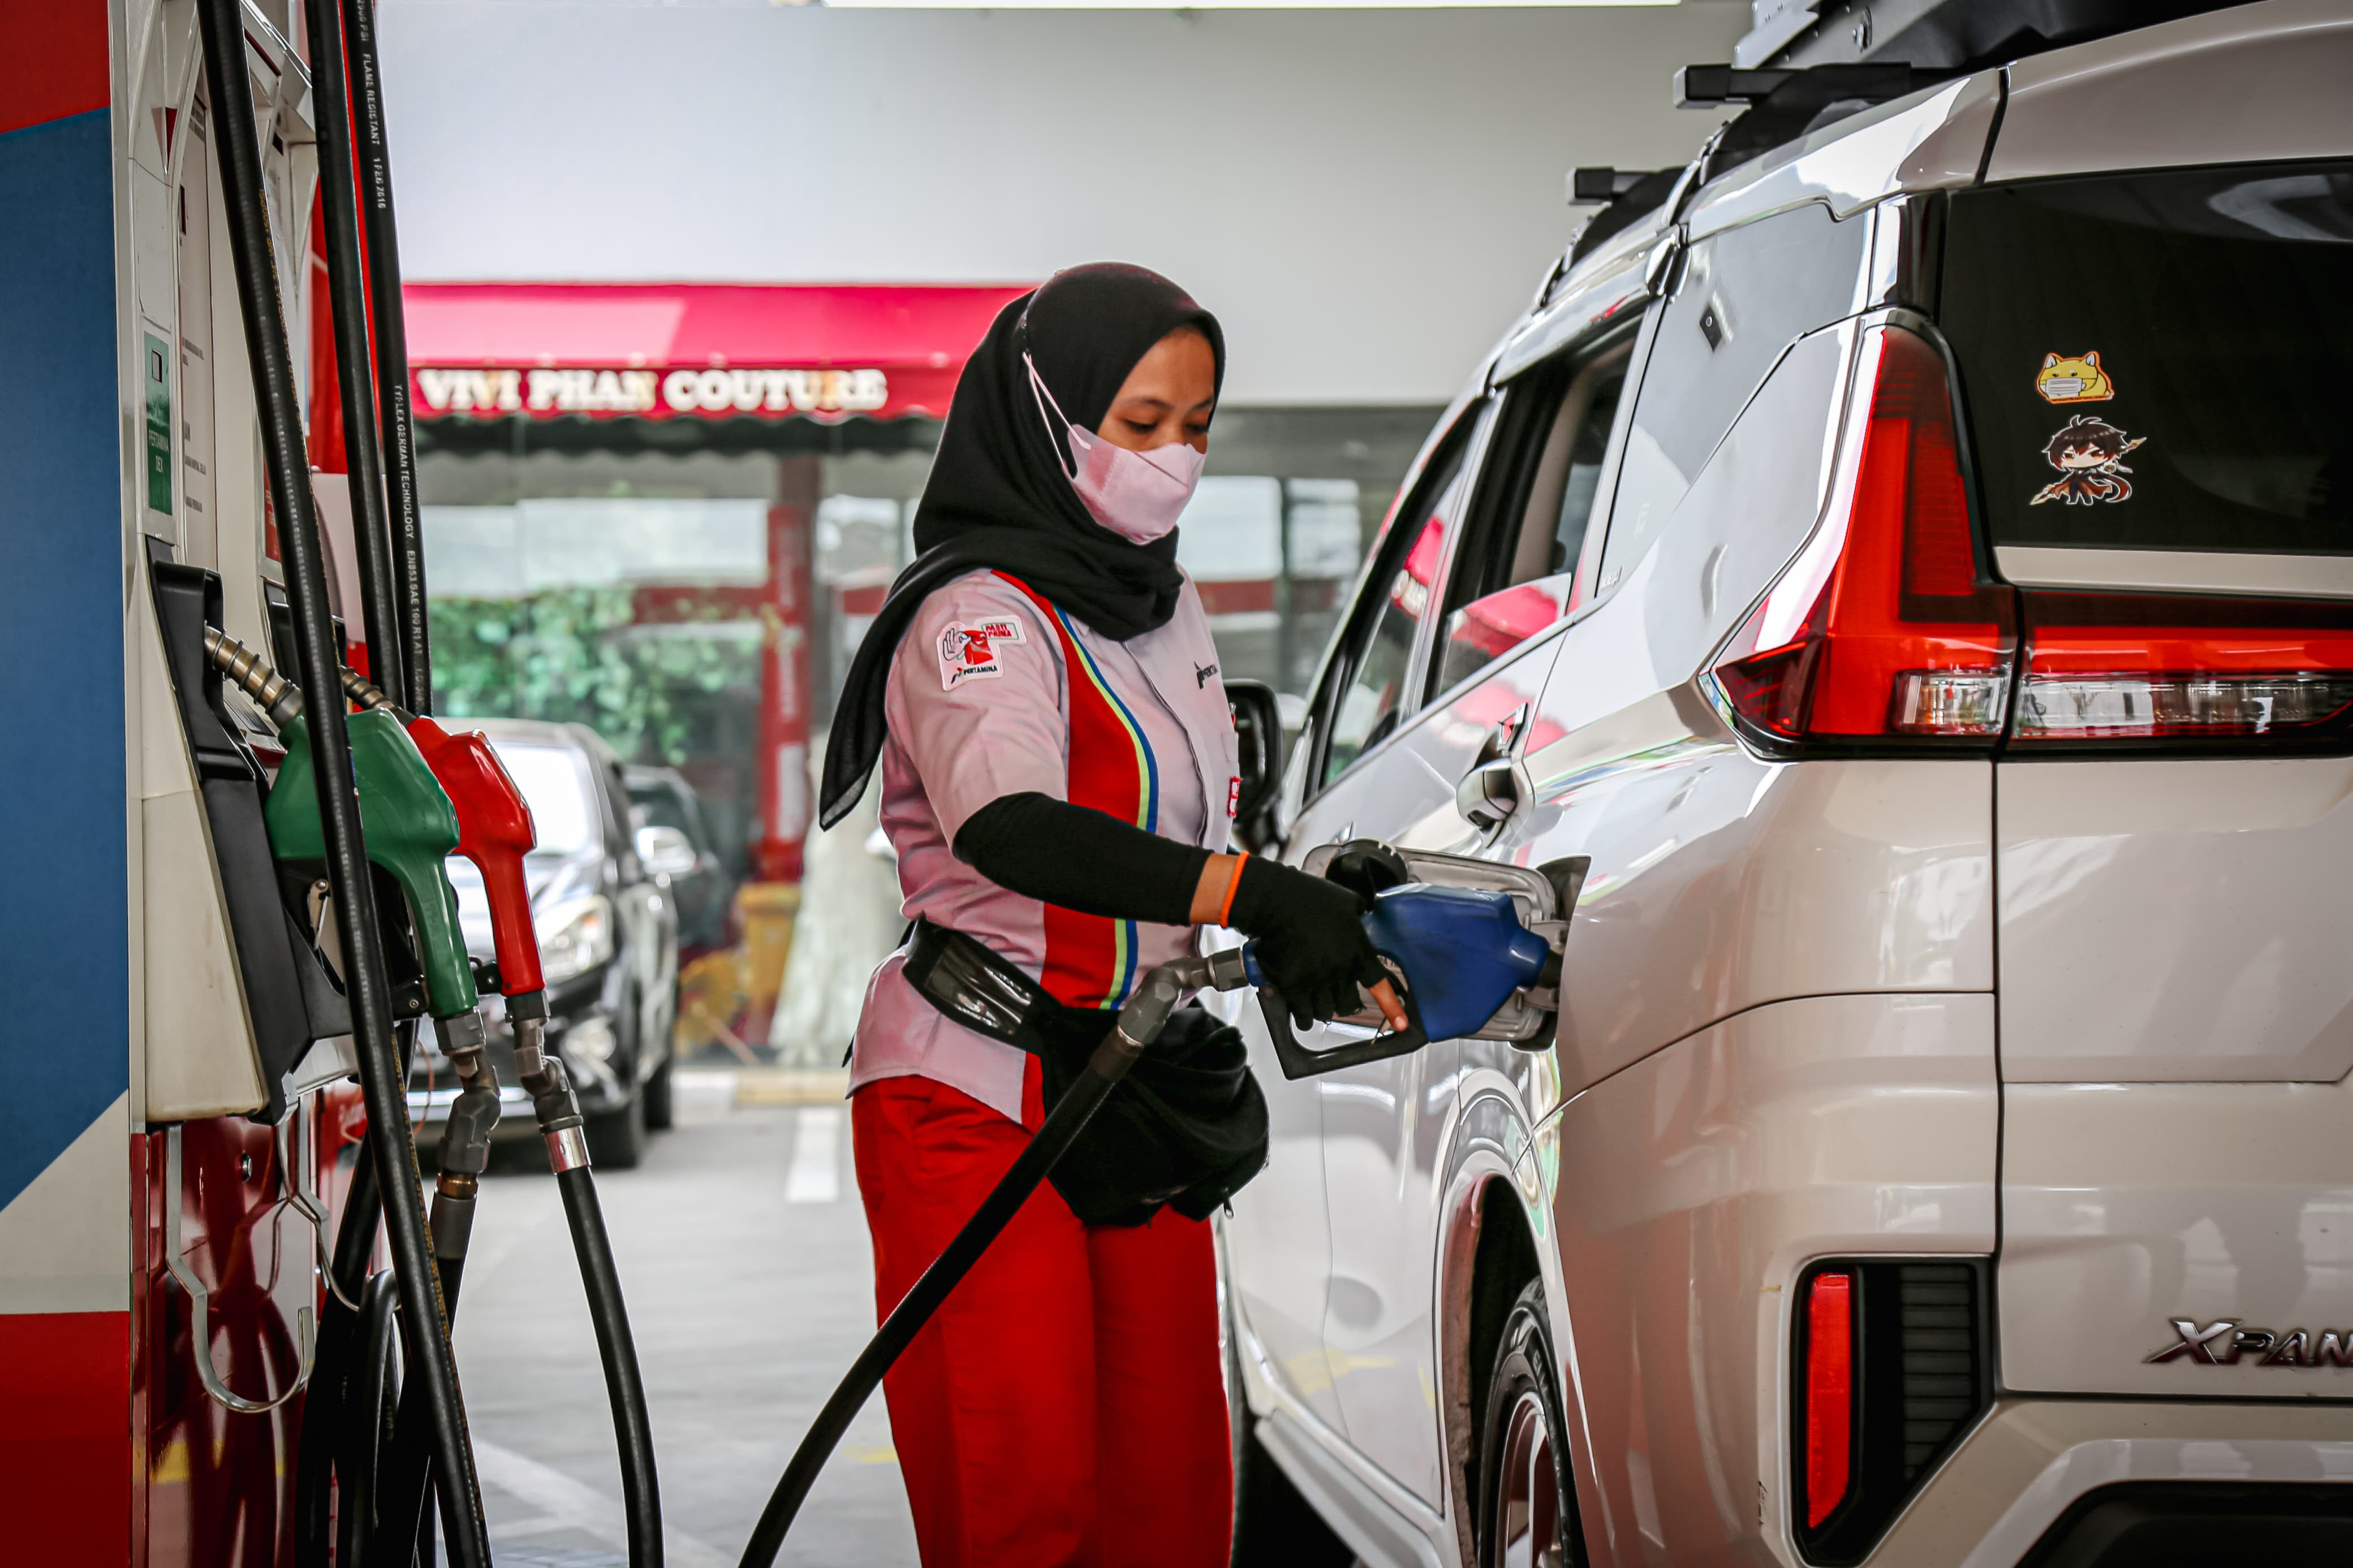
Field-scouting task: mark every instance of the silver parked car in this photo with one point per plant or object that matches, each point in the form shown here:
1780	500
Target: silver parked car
1906	568
608	934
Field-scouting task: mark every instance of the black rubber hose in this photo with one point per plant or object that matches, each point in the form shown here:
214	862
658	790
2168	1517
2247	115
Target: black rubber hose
399	429
407	1486
382	1070
1104	1068
640	1488
347	292
368	1419
324	1403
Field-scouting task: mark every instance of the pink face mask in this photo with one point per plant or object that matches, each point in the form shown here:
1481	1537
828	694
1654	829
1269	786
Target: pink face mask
1137	495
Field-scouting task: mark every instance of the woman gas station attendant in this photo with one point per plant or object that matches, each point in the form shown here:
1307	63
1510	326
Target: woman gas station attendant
1058	760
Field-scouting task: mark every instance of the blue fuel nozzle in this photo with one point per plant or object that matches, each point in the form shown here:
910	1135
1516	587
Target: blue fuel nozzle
1462	954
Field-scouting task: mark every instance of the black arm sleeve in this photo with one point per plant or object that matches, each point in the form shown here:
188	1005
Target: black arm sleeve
1080	858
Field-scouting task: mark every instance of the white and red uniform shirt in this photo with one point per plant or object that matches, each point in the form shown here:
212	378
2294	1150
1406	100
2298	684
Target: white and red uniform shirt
995	692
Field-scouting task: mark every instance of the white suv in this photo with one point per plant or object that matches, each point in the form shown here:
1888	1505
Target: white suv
1910	565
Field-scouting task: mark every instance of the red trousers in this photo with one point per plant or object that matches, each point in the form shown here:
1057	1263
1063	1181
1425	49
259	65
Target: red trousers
1066	1404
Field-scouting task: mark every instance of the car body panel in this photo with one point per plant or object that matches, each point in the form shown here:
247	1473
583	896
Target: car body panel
1279	1235
1819	1127
2126	1207
2012	1477
1601	291
1721	883
2249	84
2169	921
1385	1125
1932	140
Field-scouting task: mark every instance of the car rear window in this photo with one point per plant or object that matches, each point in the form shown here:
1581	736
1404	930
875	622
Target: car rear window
2160	360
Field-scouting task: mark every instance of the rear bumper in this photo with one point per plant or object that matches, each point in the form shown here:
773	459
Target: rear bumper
2030	1460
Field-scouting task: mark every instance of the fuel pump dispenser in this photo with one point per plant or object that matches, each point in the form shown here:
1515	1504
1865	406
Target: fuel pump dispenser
430	793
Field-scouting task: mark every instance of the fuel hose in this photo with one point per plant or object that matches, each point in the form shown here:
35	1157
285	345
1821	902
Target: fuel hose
349	879
1139	1023
395	1499
557	1107
381	610
390	336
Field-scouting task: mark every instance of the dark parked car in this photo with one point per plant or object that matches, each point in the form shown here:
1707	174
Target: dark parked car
608	942
670	812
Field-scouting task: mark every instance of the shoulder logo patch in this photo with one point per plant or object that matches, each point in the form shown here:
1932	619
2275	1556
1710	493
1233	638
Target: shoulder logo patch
969	651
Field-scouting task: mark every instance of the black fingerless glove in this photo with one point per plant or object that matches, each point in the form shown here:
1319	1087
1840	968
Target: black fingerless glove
1311	945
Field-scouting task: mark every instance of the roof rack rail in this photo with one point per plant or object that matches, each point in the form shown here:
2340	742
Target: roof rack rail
1586	186
1712	87
1782	105
1707	86
1634	194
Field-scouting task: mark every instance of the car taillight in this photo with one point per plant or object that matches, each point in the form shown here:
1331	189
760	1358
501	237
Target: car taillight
1880	630
1891	1369
1829	1393
2109	667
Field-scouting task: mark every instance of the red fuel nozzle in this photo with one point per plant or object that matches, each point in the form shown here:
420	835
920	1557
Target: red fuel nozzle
495	832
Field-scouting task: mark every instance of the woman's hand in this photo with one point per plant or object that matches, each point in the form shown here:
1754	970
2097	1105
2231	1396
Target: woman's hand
1311	945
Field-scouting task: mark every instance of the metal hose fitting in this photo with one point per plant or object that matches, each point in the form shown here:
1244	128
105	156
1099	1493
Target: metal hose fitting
363	692
278	697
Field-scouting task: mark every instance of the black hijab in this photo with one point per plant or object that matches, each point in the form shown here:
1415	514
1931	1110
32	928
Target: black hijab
1000	494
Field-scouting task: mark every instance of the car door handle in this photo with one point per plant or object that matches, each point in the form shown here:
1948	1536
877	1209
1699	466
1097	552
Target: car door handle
1489	794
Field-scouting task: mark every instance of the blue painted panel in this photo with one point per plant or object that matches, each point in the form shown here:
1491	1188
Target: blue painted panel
64	956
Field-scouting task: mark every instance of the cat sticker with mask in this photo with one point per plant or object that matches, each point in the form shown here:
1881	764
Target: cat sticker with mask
2077	379
2089	452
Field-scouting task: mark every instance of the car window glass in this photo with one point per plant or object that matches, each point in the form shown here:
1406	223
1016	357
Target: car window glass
2173	376
1539	497
664	806
554	784
1373	702
1745	295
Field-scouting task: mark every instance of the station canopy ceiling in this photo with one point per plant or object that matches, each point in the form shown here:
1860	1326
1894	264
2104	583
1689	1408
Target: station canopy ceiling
692	350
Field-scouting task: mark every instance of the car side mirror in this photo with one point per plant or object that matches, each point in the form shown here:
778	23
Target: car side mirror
666	852
1258	729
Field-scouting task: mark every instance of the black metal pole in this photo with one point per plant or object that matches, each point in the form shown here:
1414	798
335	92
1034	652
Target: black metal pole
374	169
381	1068
363	459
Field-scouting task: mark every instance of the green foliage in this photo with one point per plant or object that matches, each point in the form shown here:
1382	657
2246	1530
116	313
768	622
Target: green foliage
567	655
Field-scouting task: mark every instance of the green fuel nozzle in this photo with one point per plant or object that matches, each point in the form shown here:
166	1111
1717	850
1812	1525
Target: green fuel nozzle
411	830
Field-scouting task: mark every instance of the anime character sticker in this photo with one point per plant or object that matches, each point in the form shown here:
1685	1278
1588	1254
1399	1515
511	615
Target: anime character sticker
2088	452
2079	379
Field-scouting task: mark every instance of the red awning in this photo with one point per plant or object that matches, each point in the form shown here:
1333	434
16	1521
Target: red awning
662	351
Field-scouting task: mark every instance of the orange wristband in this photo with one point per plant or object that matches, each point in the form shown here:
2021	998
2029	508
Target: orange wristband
1233	883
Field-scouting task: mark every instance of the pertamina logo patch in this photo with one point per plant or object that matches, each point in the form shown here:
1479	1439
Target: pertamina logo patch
970	652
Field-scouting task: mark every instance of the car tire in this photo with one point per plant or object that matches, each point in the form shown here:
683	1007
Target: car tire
617	1137
1526	1490
1274	1527
655	1094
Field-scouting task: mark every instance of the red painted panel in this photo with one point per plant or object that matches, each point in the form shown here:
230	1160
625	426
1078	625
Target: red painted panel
55	63
65	1452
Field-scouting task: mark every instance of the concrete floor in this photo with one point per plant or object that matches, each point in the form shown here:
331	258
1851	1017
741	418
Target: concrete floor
744	1251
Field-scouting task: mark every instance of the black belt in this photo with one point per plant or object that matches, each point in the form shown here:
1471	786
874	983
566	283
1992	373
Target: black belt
1186	1127
970	982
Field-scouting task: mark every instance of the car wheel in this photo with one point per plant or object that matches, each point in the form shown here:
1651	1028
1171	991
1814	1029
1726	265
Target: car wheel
656	1095
1274	1527
617	1137
1526	1494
